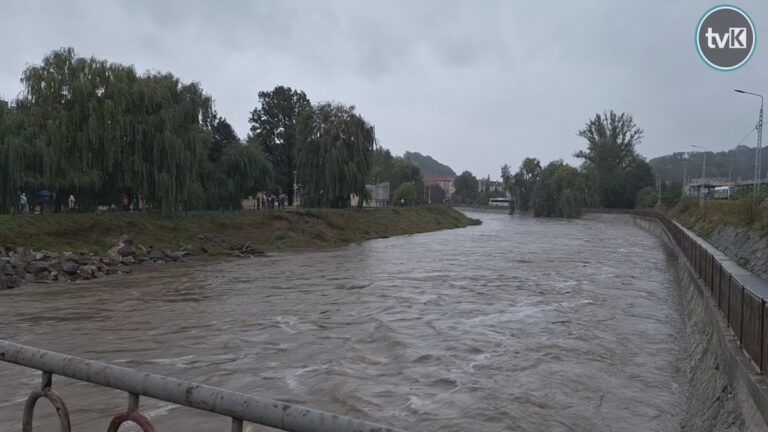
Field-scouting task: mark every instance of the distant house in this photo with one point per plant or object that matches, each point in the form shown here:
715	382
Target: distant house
488	185
378	196
445	183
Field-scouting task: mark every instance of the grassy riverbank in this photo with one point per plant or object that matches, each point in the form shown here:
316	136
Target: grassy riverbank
267	230
705	220
738	228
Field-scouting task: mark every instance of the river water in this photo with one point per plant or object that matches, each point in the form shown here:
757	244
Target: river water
517	324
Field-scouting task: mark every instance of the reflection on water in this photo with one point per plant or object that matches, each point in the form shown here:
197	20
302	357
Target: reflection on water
518	324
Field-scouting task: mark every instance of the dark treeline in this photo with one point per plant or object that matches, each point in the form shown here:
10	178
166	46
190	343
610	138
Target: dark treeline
103	132
735	164
610	176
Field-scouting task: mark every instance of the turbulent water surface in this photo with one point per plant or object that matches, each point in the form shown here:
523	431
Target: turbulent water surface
518	324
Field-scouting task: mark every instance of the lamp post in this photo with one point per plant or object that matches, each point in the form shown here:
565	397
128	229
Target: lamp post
658	192
703	175
758	149
295	191
685	172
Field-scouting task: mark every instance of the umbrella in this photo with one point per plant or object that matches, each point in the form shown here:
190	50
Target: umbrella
44	193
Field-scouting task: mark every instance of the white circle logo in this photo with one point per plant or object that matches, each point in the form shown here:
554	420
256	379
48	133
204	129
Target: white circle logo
725	37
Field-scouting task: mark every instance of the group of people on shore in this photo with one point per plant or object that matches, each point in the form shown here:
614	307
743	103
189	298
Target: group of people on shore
24	206
268	202
263	201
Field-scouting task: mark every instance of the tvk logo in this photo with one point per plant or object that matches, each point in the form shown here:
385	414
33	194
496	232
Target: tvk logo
725	37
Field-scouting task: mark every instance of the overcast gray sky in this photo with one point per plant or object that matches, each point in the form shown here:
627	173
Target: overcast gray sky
475	84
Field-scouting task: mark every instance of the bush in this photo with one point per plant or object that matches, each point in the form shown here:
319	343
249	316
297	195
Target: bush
687	203
569	204
672	194
556	191
748	210
406	192
646	197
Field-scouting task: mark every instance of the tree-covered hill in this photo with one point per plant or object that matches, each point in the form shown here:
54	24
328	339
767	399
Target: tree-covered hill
429	166
737	163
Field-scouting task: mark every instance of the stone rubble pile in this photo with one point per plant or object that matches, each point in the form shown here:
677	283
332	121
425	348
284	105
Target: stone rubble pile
237	248
19	265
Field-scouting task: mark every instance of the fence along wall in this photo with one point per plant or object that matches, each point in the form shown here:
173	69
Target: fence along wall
738	294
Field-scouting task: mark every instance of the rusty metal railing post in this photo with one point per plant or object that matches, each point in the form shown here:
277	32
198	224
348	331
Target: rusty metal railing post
46	392
762	327
741	315
132	415
237	425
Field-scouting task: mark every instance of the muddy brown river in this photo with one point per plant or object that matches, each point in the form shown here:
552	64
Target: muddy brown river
517	324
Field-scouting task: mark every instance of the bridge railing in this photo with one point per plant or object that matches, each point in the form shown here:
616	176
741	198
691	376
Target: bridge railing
237	406
738	294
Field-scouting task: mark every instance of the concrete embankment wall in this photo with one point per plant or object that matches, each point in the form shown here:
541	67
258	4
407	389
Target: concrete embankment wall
743	245
726	390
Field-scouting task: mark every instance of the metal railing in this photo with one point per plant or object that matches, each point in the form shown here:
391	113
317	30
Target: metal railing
738	294
238	406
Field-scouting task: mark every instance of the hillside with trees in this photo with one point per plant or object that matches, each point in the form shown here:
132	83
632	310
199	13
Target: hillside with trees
737	163
429	167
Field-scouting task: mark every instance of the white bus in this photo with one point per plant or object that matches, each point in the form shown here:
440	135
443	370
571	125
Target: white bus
723	192
498	202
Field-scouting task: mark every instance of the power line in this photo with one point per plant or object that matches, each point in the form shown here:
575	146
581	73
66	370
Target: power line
752	129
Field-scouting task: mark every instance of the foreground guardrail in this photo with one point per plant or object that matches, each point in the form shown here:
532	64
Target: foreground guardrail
734	291
238	406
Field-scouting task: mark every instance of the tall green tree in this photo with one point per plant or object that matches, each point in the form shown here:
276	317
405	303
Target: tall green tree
394	169
465	188
406	195
99	130
436	194
646	197
557	193
274	127
382	166
97	126
223	135
334	151
523	182
614	170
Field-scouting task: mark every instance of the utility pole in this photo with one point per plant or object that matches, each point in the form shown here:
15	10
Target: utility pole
295	191
658	193
685	169
758	149
703	175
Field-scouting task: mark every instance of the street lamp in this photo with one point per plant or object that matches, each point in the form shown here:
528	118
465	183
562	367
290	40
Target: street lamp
295	191
758	150
685	173
703	175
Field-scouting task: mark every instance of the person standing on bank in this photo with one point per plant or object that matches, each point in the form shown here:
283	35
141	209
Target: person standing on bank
22	203
71	203
126	203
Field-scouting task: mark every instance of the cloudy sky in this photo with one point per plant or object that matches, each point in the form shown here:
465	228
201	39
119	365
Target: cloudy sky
475	84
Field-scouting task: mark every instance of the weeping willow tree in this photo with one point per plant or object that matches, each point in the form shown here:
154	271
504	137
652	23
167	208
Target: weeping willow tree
242	170
334	154
99	130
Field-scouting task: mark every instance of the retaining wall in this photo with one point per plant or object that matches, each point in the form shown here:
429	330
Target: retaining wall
726	316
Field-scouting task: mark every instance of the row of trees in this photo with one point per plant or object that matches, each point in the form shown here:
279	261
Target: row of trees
101	131
610	176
